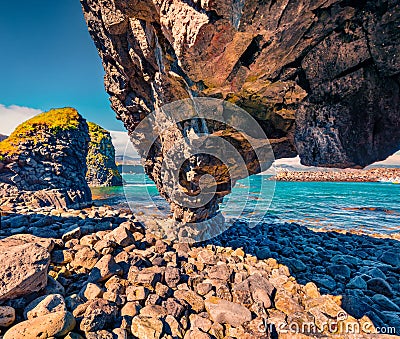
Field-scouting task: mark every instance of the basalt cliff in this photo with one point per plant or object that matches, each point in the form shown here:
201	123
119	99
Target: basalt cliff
101	168
43	162
320	77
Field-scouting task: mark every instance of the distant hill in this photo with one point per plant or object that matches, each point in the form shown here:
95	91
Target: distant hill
2	137
127	160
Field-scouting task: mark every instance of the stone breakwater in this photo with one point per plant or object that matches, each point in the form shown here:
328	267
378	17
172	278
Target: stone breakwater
98	273
350	175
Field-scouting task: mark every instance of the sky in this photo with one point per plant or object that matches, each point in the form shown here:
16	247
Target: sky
48	60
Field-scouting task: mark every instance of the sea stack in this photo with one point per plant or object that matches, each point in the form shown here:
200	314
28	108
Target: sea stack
101	168
43	162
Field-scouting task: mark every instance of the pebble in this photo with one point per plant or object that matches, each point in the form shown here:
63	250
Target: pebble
226	312
7	316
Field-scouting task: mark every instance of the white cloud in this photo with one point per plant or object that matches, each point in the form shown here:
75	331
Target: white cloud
121	143
12	116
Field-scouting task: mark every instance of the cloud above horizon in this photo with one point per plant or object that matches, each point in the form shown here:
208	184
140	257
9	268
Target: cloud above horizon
13	115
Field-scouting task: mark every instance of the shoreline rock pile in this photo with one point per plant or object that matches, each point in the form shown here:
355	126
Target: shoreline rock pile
111	278
349	175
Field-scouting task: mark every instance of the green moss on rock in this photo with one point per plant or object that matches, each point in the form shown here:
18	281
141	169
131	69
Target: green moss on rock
102	170
53	121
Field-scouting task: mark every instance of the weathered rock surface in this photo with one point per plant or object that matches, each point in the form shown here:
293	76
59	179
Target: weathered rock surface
43	161
101	168
321	77
56	324
23	269
7	316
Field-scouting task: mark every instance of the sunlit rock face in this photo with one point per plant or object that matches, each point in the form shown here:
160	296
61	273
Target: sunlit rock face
320	77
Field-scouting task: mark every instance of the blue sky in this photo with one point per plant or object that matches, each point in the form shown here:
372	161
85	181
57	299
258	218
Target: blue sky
48	60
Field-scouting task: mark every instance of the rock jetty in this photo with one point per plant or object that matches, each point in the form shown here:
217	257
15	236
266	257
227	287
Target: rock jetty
43	162
98	273
101	168
350	175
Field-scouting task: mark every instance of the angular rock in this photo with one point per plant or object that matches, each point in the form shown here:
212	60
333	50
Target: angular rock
380	286
385	303
195	301
7	316
91	291
143	327
172	276
86	258
357	283
342	270
99	313
391	258
121	236
104	269
45	305
226	312
23	269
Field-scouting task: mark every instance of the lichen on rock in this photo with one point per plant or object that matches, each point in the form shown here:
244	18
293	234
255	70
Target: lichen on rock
101	168
43	162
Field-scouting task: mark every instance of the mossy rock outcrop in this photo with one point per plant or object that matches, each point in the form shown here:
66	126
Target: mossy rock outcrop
101	168
43	162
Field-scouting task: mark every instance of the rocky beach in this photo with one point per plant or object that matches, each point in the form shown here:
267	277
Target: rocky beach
99	273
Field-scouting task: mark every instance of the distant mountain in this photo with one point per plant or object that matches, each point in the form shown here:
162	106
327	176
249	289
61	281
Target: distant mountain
2	137
127	160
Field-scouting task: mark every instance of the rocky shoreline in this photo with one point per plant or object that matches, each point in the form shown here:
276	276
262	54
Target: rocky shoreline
98	273
349	175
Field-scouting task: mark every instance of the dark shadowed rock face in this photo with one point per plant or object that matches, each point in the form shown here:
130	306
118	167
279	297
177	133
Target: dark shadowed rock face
101	168
43	162
321	77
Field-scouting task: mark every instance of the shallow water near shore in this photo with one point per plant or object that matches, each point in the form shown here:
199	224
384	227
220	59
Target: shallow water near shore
368	207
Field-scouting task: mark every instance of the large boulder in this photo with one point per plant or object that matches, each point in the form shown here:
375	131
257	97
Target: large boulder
42	163
23	268
320	77
101	168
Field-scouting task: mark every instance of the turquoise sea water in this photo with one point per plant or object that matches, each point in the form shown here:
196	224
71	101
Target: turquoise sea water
371	207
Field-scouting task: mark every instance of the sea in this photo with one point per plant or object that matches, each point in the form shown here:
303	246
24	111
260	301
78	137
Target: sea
361	206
